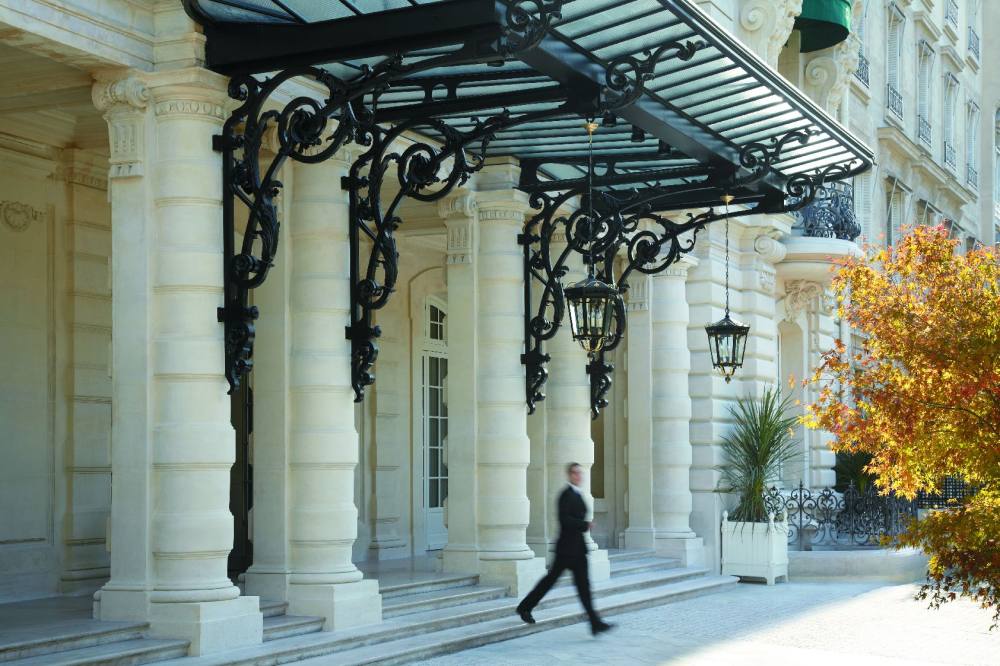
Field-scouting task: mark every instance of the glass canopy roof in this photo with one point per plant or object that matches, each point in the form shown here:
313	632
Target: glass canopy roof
692	114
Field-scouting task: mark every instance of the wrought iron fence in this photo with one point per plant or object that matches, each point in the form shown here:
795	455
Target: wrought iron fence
951	14
973	42
828	519
924	130
950	157
862	72
953	491
971	176
831	214
894	100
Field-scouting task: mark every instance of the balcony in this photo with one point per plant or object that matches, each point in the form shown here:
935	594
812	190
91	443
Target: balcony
924	131
950	157
894	101
831	214
973	43
971	176
951	14
862	71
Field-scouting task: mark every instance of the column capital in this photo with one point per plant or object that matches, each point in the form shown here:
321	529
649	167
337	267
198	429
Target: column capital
120	92
193	92
503	206
124	99
462	204
638	293
680	268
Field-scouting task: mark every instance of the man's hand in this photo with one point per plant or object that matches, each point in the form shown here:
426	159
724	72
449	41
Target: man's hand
590	525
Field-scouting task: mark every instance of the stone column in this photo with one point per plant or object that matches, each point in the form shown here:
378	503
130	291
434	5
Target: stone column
322	438
641	530
567	409
460	213
671	417
502	446
173	445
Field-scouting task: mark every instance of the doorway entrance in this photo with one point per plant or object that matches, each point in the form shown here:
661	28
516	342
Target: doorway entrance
241	480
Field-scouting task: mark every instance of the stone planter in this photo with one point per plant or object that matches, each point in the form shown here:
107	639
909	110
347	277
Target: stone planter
755	550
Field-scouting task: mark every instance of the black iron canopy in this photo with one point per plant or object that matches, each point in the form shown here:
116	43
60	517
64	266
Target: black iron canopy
687	116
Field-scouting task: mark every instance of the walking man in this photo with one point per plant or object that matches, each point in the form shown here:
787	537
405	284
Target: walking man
571	553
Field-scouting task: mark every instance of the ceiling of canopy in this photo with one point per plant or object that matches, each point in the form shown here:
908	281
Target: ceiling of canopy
694	115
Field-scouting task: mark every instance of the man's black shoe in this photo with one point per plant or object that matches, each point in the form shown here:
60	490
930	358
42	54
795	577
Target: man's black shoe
525	615
601	628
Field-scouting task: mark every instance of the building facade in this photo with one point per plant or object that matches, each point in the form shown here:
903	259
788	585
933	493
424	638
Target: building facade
133	476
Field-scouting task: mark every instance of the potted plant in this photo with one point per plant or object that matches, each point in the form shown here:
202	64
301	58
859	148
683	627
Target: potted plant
754	540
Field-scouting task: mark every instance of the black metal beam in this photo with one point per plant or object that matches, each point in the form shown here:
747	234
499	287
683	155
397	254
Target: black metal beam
251	48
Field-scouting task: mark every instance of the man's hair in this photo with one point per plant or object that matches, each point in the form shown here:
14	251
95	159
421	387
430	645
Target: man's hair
569	467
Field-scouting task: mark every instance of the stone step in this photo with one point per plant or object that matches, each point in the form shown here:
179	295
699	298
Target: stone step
419	587
270	608
119	653
87	634
624	567
470	636
433	622
286	626
445	598
617	555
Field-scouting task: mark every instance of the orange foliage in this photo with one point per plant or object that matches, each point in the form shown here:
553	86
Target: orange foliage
923	396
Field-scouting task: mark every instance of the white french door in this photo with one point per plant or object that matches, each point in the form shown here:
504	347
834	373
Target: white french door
434	421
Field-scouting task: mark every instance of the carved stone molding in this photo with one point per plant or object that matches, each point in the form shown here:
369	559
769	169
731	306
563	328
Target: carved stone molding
462	205
129	92
805	296
18	216
828	76
767	24
461	235
638	293
766	279
769	249
189	107
501	215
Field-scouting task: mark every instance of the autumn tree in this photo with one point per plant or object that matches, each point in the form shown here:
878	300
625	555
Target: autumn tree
922	397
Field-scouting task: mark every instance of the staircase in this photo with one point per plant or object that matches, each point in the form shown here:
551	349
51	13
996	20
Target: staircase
420	620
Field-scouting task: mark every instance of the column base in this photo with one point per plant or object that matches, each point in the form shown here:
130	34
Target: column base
210	626
640	537
460	559
598	566
270	585
690	551
519	576
342	605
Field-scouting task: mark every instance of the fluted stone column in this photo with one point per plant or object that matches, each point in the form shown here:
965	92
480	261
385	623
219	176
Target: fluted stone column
671	418
567	440
641	530
460	213
322	439
173	445
502	446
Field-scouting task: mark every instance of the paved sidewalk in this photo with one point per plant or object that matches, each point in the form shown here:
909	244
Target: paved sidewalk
859	624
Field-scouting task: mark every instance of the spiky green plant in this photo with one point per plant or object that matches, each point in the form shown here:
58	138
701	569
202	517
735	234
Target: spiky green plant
756	449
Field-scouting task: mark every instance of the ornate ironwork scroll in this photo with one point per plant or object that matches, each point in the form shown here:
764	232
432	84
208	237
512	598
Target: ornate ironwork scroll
261	134
825	518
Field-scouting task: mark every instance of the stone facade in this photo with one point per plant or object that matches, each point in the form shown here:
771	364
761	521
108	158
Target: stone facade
110	219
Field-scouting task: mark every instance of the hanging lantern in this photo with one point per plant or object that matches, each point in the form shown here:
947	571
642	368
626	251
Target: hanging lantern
591	312
727	339
727	343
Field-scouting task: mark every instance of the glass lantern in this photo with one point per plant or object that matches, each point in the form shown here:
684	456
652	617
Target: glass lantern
591	312
727	343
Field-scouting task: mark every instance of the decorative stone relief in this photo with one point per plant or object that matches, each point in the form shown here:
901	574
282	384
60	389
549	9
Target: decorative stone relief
18	216
828	76
801	296
766	280
769	248
123	102
768	23
190	107
638	293
501	215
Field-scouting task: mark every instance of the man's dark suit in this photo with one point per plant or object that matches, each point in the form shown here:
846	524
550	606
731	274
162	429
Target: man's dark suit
571	553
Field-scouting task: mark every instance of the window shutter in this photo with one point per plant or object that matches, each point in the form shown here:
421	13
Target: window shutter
892	53
897	218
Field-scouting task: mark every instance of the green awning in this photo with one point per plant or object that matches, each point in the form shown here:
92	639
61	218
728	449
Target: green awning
823	23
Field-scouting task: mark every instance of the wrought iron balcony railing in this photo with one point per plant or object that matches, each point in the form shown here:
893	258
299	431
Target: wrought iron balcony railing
971	176
862	72
924	131
973	42
950	158
951	14
894	100
831	214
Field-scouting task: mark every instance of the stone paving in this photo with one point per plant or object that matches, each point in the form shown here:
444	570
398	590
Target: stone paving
847	624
